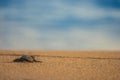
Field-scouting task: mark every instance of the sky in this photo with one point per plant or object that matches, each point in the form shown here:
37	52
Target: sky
60	24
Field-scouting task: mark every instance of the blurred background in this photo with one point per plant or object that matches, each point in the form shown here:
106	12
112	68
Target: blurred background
60	24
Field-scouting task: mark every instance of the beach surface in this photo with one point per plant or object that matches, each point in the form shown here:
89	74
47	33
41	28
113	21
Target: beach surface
61	65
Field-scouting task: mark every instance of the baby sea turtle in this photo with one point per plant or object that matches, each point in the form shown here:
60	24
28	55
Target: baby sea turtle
26	58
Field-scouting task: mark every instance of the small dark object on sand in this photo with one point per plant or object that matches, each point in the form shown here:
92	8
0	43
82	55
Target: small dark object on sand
26	58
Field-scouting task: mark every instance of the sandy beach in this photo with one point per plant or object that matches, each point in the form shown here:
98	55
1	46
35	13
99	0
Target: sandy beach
61	65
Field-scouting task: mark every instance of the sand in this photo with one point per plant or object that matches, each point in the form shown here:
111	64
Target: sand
61	65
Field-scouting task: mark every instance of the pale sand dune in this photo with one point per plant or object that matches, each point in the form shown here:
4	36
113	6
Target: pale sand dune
61	65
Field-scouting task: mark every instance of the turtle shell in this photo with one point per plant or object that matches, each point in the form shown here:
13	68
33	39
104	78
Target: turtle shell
27	58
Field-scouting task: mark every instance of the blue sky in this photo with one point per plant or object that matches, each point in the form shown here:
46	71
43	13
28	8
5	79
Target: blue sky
60	24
